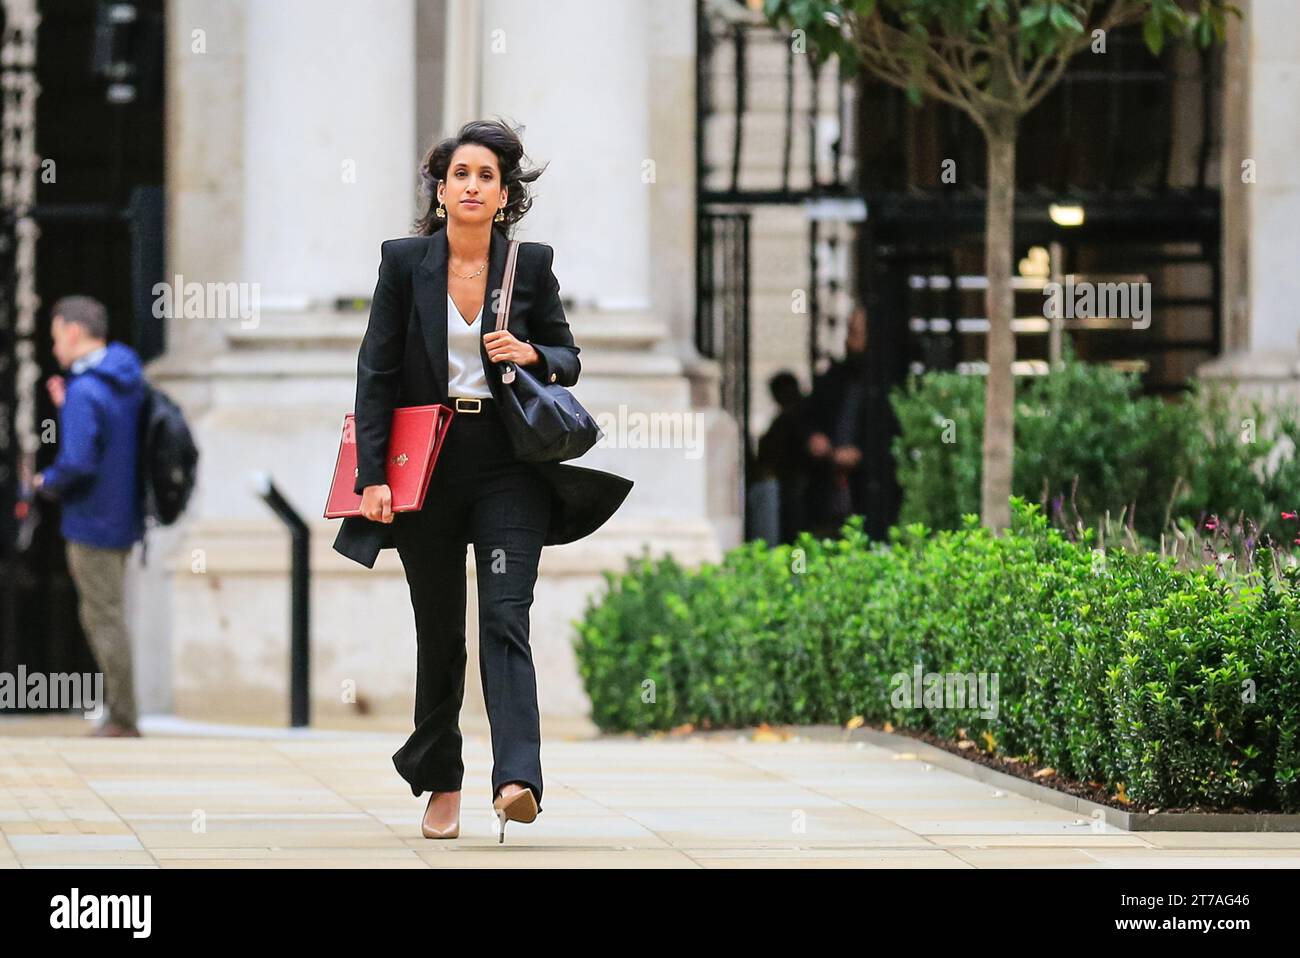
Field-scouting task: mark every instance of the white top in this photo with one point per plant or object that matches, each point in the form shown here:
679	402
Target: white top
465	375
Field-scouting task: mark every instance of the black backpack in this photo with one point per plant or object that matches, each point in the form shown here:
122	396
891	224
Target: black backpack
168	458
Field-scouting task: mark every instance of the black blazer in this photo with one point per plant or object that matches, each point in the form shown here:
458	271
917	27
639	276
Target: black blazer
403	362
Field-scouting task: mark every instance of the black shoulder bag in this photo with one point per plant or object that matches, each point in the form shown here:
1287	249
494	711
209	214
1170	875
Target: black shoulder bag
545	421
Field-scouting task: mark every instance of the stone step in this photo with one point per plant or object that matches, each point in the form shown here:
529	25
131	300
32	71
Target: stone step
276	363
344	331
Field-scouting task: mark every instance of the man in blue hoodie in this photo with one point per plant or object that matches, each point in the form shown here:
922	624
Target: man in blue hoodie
94	477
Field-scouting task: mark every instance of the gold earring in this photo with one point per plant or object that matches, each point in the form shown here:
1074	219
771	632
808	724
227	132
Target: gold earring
441	211
500	217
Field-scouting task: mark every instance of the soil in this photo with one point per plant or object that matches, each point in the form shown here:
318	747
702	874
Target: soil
1093	792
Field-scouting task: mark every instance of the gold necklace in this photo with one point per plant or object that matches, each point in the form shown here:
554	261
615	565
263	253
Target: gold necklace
471	275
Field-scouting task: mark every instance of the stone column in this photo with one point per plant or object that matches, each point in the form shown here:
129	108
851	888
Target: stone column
1260	240
577	79
1274	197
329	128
291	157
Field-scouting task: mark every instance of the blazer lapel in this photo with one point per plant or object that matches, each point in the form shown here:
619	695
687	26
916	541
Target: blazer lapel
431	307
431	293
496	273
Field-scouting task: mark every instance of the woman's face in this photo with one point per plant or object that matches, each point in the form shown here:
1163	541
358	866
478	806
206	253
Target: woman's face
472	190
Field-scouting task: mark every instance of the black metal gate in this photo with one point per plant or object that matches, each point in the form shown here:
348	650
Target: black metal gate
97	221
1127	138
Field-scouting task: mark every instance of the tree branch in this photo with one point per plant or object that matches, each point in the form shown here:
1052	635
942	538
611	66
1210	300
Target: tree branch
895	70
1121	13
943	73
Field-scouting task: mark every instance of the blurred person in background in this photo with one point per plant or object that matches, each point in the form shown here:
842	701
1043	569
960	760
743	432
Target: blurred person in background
783	455
94	477
837	434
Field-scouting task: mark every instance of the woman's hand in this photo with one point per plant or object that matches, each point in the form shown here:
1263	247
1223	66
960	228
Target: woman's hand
502	347
377	503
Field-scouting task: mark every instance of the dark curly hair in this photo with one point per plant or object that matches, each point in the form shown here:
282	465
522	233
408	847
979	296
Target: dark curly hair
503	140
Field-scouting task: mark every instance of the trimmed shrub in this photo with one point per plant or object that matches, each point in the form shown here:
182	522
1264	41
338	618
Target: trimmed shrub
1115	666
1089	443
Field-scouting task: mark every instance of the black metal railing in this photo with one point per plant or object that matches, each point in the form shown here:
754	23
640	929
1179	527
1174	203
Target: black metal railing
722	317
736	51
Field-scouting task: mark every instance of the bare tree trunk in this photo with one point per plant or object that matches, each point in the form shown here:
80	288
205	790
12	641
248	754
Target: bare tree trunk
999	397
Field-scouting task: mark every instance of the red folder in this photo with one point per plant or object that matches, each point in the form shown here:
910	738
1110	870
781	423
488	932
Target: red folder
414	441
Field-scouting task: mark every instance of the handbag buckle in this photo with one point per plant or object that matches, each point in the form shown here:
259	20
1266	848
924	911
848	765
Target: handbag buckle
476	407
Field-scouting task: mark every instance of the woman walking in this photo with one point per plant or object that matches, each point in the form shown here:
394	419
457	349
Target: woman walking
432	338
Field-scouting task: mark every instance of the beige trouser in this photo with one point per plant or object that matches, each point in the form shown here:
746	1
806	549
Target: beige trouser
100	577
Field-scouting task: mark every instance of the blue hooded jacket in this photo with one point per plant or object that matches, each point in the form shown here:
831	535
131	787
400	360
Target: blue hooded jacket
94	473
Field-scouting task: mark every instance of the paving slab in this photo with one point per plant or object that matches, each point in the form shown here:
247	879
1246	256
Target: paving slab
211	796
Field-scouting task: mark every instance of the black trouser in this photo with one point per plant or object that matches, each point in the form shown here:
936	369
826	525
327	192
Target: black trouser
478	493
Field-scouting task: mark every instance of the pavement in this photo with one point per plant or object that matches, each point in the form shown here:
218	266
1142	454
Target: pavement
206	795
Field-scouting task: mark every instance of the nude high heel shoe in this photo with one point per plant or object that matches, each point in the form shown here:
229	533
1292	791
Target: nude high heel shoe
514	806
442	807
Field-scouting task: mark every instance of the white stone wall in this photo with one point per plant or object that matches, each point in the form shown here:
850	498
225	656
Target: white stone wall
1261	243
297	133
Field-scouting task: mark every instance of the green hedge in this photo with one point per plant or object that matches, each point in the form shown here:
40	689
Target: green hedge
1087	431
1119	667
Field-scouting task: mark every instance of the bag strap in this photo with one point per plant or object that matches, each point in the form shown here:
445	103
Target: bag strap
507	289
